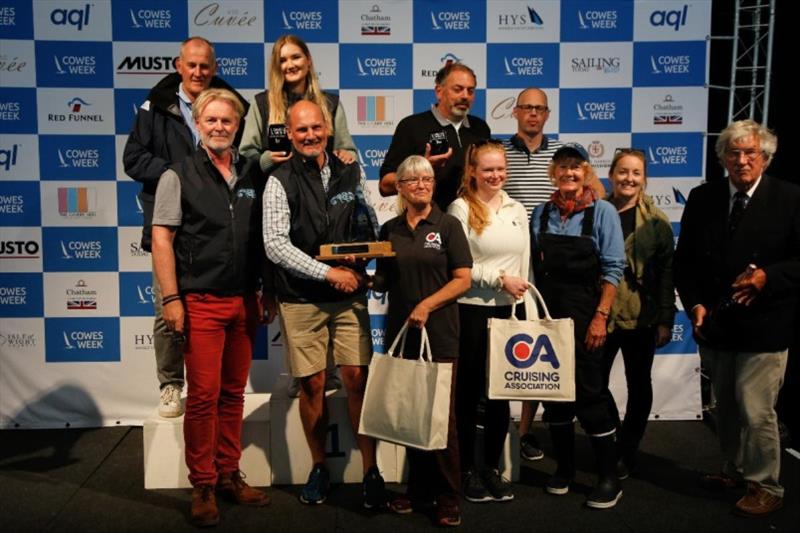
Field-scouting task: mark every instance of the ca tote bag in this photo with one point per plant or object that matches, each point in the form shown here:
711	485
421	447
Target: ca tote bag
531	359
407	401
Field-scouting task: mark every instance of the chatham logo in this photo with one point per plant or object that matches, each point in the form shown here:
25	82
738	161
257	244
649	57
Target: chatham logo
668	112
81	297
522	352
597	20
375	22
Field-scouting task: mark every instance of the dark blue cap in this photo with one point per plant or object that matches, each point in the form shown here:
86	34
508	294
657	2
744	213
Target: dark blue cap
571	150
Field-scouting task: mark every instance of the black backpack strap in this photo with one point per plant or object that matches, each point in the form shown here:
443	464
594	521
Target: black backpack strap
588	221
544	217
263	109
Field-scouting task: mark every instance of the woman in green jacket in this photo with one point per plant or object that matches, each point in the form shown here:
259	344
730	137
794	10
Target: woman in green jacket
644	307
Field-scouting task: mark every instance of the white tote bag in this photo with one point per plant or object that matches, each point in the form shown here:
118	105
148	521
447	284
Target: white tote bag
531	359
407	401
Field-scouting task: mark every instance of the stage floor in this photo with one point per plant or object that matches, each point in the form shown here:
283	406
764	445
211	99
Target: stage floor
92	480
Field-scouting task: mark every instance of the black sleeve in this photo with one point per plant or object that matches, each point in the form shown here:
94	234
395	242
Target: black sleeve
384	265
402	146
458	254
685	270
139	159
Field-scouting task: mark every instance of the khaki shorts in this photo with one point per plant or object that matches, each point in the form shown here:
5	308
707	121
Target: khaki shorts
308	328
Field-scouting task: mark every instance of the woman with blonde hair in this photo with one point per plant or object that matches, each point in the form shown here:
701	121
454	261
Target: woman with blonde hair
292	77
644	307
578	259
497	230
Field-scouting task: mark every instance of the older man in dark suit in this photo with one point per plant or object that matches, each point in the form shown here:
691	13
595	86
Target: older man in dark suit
737	270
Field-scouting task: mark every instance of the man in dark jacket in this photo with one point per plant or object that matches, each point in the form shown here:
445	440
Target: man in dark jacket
737	270
206	254
164	133
441	134
309	200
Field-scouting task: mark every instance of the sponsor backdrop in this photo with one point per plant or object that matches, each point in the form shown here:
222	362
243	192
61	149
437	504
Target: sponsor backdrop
75	286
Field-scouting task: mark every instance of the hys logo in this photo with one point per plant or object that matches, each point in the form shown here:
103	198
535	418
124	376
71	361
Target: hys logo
520	20
522	352
674	19
71	17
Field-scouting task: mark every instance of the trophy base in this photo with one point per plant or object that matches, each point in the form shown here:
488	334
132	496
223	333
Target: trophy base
356	249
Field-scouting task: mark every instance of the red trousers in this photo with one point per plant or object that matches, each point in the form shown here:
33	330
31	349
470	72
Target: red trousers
218	351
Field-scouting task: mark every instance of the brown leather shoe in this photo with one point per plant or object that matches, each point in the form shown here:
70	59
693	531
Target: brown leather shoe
757	502
204	506
232	486
721	481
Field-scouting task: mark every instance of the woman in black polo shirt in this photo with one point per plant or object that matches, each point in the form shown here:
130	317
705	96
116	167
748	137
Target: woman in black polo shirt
431	270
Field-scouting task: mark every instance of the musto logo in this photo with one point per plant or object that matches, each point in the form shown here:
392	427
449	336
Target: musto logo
522	352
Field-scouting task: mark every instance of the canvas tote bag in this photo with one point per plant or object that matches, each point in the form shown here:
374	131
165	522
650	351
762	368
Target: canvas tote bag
531	359
407	401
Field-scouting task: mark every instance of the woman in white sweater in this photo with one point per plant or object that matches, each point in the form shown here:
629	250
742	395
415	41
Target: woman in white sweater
497	230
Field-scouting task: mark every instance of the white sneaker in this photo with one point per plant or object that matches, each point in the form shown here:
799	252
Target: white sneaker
170	405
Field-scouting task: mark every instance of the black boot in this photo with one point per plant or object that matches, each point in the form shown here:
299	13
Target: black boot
563	437
608	489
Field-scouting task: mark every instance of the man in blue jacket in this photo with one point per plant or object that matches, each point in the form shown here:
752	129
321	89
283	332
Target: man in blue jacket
164	133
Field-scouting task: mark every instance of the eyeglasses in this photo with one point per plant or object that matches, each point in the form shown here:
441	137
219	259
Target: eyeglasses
417	181
750	154
538	109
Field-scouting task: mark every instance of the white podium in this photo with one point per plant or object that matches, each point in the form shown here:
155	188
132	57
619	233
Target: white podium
290	457
164	464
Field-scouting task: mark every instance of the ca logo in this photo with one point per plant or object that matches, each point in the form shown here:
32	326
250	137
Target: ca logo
522	352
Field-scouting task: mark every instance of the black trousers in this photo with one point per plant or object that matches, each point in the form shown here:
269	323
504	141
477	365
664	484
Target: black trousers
471	386
638	350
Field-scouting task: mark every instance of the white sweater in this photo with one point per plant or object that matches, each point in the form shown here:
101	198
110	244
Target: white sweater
504	246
